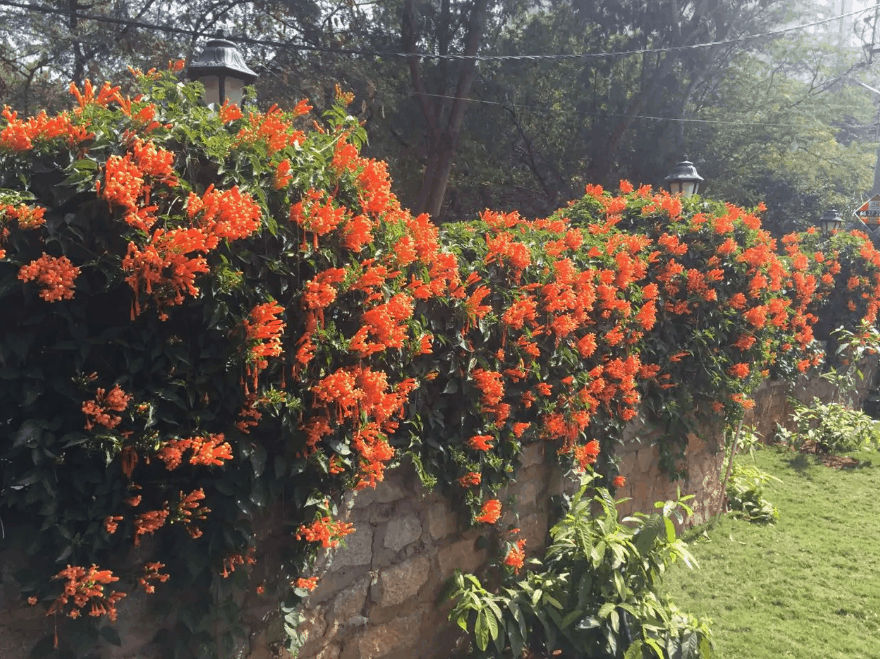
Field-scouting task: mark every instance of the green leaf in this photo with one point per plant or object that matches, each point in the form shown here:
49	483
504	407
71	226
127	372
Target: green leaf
634	651
656	647
111	635
481	630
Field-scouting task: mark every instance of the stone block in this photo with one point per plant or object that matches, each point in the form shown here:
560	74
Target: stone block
380	513
358	548
533	454
441	520
391	490
528	487
647	460
402	531
350	602
332	583
313	626
399	583
462	555
392	638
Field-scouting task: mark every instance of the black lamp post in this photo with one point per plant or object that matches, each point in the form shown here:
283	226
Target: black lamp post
684	179
830	221
222	70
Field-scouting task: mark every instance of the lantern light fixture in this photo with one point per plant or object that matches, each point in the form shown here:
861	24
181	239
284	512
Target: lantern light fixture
830	221
221	68
684	179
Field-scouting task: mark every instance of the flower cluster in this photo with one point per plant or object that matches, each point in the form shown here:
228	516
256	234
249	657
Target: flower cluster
54	275
326	531
284	327
86	587
101	410
211	450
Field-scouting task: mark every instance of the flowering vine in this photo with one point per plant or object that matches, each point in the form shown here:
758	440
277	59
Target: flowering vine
193	335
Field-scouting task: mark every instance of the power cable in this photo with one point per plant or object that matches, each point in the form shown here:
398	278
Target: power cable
431	56
546	108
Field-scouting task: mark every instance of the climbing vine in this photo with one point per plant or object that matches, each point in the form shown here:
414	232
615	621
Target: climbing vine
219	320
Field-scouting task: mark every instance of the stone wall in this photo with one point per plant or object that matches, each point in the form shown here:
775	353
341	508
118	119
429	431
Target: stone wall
381	595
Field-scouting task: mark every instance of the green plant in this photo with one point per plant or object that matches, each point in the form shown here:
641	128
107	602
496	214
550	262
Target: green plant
217	320
745	494
830	428
207	322
595	592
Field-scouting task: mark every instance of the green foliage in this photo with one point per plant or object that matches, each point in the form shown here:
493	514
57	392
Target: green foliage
180	307
745	494
836	427
594	594
831	428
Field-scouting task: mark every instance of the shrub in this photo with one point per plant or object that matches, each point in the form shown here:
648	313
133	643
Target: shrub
594	595
831	428
207	314
745	494
217	320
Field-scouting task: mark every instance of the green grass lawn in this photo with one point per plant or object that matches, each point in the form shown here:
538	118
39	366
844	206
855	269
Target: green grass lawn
808	586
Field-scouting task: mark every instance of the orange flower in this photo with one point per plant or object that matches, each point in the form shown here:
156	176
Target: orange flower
282	174
520	427
150	575
619	481
516	556
227	214
740	370
86	587
756	316
490	385
263	330
148	523
587	454
111	523
229	112
490	512
97	411
470	479
307	583
594	191
54	275
586	345
481	442
325	530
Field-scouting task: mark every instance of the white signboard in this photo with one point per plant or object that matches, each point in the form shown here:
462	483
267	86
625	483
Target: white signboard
870	210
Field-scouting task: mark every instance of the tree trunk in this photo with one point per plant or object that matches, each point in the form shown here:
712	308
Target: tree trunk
442	130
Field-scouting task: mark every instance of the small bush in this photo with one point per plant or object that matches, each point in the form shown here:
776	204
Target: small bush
831	428
745	494
594	595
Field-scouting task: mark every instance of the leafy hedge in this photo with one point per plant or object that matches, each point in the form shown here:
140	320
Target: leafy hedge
214	317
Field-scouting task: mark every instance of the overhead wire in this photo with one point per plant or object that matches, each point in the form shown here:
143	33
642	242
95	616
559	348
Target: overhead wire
436	56
431	56
697	120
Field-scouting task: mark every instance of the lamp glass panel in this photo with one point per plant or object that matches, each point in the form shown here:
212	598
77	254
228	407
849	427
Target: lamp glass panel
234	90
212	89
688	188
675	187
